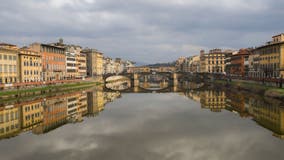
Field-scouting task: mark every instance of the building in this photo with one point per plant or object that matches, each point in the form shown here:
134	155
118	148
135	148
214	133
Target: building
30	65
214	61
76	62
109	65
181	64
239	63
193	64
271	57
254	69
71	65
94	62
53	61
9	64
81	60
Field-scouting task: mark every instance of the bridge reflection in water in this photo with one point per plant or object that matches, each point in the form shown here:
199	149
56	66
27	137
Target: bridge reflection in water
44	115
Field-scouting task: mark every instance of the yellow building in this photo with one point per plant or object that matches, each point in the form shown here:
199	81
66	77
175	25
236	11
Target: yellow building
271	57
8	63
32	114
81	60
30	65
94	62
213	62
9	121
213	100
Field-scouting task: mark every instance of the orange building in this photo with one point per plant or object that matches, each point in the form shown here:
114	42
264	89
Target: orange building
53	61
239	63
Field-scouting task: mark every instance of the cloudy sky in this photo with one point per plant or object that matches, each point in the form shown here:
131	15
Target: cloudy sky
143	30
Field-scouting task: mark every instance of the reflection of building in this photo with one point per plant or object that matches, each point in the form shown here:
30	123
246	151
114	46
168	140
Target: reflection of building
9	121
83	104
32	114
30	65
111	96
194	95
269	115
213	100
76	106
237	102
54	114
8	63
95	102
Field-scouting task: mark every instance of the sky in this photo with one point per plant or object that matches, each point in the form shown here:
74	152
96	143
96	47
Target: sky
146	31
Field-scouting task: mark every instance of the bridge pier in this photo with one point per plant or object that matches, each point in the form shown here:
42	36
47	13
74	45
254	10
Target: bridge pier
135	80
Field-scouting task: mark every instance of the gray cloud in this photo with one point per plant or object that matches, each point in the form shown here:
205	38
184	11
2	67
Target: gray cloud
143	30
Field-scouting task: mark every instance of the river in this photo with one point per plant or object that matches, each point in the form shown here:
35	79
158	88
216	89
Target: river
204	124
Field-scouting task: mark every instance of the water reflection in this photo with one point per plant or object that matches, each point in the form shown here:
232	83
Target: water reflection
189	124
268	113
43	115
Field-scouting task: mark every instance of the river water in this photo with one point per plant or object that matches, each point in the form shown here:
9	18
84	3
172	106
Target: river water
207	124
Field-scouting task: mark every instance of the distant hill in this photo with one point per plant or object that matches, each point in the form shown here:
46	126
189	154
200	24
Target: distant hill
169	64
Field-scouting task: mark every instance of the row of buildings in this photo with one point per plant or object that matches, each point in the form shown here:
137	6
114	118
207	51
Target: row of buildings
44	115
54	61
259	62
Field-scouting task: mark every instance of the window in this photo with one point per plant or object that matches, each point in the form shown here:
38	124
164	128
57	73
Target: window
5	68
10	57
7	117
10	68
12	116
14	58
0	68
0	56
1	118
5	57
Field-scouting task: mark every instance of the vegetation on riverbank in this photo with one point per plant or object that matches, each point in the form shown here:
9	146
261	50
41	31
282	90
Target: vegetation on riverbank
253	87
12	94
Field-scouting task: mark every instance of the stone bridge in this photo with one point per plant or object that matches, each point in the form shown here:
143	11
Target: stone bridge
173	77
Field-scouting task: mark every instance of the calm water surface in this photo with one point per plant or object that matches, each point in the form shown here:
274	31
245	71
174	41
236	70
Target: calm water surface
195	125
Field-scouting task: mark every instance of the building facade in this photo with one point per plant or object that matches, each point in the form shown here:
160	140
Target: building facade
30	65
9	64
271	58
53	61
239	63
94	62
81	60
